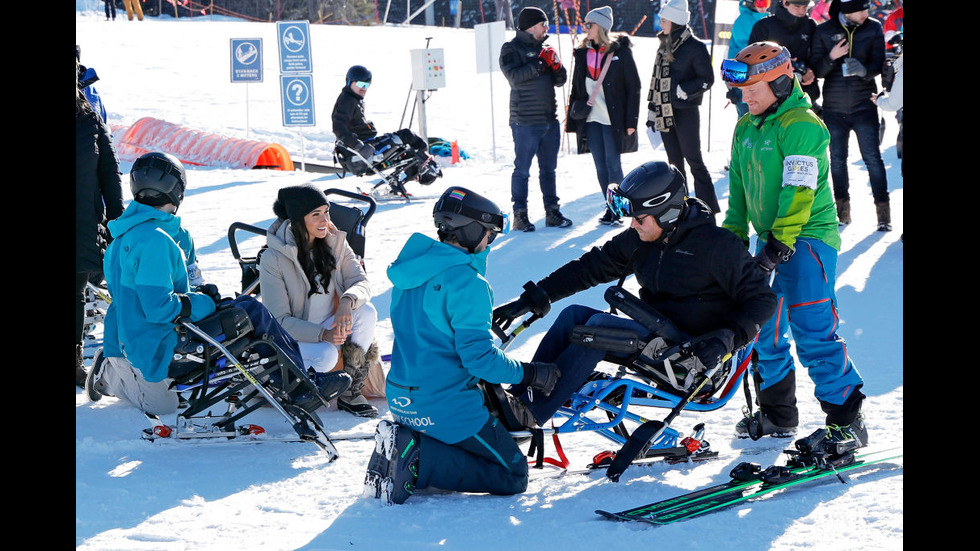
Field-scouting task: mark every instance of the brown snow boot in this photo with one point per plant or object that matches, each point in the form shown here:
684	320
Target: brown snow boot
844	211
884	212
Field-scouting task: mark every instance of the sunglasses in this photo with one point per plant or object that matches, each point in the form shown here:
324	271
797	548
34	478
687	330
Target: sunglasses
362	84
738	72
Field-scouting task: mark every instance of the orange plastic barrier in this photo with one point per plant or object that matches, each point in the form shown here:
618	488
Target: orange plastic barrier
195	147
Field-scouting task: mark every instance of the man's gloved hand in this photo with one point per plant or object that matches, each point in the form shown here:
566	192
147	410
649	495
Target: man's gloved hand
533	299
711	348
211	290
854	67
541	376
775	252
366	151
734	95
550	57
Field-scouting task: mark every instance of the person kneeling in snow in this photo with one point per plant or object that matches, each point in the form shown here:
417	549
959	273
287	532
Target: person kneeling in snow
443	435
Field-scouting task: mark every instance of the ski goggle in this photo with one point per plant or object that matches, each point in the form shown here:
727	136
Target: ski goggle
502	229
618	203
739	72
362	84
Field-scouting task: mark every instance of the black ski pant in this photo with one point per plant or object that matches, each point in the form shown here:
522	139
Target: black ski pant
683	143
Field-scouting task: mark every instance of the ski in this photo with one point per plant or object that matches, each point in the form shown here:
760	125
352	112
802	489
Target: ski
750	481
242	434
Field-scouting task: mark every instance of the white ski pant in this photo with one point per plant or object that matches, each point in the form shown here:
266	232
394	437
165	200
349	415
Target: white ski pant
323	356
127	383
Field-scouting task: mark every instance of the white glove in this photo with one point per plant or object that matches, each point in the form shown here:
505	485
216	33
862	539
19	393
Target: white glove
680	92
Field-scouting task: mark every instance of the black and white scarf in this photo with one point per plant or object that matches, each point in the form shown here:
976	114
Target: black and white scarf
658	98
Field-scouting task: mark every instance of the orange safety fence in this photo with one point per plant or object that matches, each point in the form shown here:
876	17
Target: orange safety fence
196	147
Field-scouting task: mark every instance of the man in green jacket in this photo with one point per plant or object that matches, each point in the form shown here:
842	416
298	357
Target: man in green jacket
779	183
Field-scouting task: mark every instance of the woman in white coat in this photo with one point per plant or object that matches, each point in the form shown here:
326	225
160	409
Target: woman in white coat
313	283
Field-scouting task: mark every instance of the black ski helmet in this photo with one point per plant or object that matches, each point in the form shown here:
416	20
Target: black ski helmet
358	73
655	188
467	215
157	179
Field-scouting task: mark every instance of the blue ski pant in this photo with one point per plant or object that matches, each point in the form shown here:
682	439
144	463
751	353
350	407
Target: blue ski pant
487	462
804	288
575	362
530	141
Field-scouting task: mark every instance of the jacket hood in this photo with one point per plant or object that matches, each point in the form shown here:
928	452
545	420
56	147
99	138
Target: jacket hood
137	213
423	257
280	238
698	214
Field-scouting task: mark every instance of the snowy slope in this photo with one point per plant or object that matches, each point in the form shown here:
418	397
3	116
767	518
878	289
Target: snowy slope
131	494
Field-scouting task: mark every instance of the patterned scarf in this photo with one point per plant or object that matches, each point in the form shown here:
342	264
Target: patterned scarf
658	98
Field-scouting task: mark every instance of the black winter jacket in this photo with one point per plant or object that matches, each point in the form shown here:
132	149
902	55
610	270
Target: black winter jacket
691	69
702	278
866	43
98	189
532	83
795	33
349	123
621	87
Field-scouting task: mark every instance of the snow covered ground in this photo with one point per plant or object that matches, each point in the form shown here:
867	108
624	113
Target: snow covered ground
132	494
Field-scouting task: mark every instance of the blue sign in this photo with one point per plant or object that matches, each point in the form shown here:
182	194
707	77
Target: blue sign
297	100
294	47
246	60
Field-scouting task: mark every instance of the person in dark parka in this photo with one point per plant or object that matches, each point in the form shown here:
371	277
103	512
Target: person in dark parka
98	199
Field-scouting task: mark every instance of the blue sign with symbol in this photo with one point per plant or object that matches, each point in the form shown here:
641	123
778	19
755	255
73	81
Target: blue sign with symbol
294	47
246	60
297	100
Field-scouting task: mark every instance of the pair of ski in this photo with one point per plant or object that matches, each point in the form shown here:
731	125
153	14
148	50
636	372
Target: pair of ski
750	481
240	434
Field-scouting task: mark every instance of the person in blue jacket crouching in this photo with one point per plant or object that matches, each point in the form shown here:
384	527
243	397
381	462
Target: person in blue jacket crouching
443	435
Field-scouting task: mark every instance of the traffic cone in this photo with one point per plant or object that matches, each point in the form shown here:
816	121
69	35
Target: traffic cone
455	152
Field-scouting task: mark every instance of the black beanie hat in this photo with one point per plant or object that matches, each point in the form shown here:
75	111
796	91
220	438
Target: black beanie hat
529	17
851	6
295	202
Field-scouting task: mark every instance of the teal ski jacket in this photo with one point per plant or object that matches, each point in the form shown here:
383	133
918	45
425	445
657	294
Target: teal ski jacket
441	307
146	273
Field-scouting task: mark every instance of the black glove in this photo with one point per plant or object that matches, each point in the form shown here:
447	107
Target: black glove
540	375
734	95
711	348
533	299
855	68
772	254
211	290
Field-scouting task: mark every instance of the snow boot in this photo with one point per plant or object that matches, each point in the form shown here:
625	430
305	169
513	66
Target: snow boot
356	365
757	425
95	385
610	219
330	384
80	374
884	212
521	222
393	469
844	211
555	219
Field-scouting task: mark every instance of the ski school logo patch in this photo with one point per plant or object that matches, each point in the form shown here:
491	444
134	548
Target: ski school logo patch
401	401
800	170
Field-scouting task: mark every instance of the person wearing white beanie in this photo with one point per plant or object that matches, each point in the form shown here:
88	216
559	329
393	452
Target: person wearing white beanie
610	124
682	72
675	11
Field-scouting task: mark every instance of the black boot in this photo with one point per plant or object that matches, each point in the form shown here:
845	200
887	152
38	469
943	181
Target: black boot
777	415
80	373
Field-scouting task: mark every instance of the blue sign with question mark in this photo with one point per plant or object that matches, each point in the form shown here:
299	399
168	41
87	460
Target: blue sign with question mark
297	100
